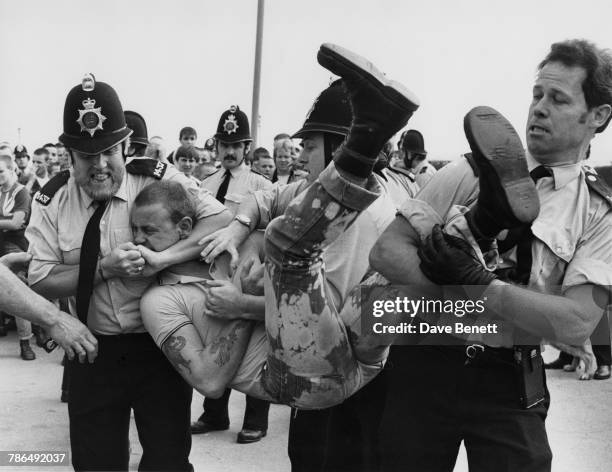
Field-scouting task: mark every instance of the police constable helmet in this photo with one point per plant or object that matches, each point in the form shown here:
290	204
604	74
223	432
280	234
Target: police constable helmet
330	113
137	124
20	151
413	142
233	126
93	118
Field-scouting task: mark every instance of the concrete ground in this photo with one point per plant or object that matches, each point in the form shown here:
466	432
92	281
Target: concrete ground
32	418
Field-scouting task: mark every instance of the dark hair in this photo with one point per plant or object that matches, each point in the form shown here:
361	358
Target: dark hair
259	153
41	151
173	197
49	145
597	62
187	131
186	151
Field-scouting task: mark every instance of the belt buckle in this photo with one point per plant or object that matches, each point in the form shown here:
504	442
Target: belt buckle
473	350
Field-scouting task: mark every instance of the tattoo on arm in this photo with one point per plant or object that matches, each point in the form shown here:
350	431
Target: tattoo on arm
223	345
172	349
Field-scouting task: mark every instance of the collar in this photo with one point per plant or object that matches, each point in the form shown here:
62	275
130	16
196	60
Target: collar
563	174
238	170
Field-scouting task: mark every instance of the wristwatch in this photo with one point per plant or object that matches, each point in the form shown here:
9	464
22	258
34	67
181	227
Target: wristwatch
243	219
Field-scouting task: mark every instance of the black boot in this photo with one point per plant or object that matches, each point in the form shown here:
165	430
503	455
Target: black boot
2	328
508	197
26	351
381	107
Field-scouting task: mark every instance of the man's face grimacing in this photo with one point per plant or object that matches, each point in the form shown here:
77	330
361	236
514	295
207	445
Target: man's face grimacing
153	228
560	124
99	175
312	157
231	154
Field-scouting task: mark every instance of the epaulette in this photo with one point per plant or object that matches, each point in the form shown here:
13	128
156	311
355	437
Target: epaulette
423	170
45	194
147	167
468	157
597	185
402	171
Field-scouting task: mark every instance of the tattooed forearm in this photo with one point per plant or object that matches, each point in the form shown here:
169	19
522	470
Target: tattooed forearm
172	349
224	344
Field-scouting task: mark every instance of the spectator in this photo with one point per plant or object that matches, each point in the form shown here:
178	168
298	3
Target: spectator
156	149
52	149
283	161
187	137
14	214
41	176
186	159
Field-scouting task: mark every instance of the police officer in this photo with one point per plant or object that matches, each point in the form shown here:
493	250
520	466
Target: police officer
229	184
80	239
139	140
235	178
495	400
415	157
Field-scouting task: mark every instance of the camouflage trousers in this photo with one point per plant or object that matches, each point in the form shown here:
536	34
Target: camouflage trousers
311	362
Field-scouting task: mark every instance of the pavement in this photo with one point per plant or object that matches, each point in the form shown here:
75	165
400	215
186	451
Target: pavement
33	419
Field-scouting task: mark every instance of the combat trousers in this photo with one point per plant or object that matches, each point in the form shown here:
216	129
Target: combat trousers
130	372
311	363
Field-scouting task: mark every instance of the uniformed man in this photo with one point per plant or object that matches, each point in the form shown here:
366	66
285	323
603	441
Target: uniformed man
564	258
80	240
139	140
415	157
230	184
344	437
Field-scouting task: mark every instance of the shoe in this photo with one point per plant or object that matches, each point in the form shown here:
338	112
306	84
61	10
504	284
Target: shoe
247	436
2	331
26	351
380	106
508	196
202	427
64	397
602	372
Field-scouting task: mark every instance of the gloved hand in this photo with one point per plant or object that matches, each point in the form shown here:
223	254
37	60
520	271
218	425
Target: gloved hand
449	260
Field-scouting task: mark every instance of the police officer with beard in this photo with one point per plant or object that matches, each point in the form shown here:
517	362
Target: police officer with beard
81	245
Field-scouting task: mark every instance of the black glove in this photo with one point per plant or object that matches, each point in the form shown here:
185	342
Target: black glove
449	260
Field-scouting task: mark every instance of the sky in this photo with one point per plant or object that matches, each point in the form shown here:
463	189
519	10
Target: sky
183	62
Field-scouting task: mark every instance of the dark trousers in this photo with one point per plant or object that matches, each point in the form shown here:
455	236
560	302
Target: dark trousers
130	372
436	401
255	413
341	438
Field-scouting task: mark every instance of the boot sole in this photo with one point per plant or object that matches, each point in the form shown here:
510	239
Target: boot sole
497	147
347	64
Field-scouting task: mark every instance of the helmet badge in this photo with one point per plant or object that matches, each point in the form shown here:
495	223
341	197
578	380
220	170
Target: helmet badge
230	126
90	118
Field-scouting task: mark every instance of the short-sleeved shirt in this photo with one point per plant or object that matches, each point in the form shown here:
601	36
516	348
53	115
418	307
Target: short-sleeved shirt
572	234
56	233
14	200
243	180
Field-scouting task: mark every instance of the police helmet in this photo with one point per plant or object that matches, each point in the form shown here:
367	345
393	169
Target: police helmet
137	124
93	118
233	126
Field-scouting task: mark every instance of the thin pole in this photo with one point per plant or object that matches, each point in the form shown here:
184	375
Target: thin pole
257	72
